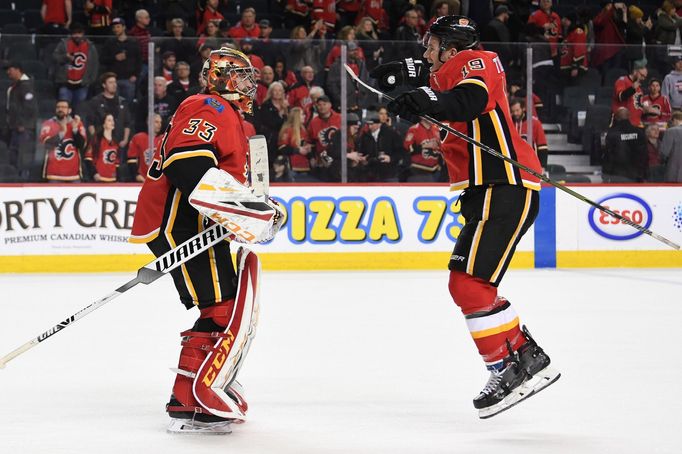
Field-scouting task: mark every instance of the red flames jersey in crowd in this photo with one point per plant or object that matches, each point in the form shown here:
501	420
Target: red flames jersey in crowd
203	126
105	158
139	152
320	131
469	165
423	156
574	50
633	103
375	10
299	163
299	96
539	142
63	160
239	32
77	67
662	106
299	7
325	10
101	19
539	18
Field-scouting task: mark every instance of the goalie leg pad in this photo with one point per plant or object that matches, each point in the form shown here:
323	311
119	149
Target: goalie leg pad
212	384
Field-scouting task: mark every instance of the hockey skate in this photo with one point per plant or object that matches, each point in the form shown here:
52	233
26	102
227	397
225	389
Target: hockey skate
199	420
523	374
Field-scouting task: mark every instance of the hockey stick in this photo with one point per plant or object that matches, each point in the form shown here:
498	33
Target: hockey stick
145	275
497	154
171	259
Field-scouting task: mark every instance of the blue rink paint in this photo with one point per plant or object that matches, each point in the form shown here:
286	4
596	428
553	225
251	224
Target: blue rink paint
545	230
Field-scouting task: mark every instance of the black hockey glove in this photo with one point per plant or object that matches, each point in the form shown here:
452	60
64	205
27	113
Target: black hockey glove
396	73
422	101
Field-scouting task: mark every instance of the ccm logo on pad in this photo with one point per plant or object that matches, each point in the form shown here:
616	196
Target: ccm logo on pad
627	205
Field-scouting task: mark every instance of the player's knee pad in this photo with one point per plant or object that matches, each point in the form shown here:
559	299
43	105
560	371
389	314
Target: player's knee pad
470	293
213	351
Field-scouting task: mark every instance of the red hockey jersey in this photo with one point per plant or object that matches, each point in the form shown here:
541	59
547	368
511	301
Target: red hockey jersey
204	126
62	157
469	165
105	158
321	130
139	152
626	95
423	144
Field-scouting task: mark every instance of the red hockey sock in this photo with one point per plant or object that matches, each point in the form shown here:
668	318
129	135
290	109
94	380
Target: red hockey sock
491	320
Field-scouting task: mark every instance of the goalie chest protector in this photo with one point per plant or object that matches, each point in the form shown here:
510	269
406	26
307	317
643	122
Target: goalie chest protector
203	126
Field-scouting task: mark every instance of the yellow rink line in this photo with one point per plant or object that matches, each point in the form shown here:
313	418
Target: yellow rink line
294	261
270	261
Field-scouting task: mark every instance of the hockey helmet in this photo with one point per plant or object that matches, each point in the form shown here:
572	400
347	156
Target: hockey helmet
459	32
229	74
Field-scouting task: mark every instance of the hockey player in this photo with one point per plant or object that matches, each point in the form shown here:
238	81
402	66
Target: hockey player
200	174
499	202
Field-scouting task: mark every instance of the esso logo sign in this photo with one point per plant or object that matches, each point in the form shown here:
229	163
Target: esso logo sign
630	207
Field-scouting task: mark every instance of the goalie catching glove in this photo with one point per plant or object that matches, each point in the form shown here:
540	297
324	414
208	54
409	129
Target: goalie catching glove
250	217
394	74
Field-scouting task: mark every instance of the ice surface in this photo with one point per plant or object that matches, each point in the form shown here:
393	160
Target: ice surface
362	362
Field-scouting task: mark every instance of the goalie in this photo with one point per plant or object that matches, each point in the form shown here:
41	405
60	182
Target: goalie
199	176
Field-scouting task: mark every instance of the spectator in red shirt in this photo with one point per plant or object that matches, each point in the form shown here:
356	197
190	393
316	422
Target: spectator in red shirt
517	108
609	35
168	62
627	93
296	13
56	16
247	27
99	16
64	137
299	93
102	156
422	143
211	36
141	32
550	22
140	156
267	76
209	14
656	106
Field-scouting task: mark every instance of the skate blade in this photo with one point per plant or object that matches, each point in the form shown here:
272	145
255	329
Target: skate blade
529	388
189	426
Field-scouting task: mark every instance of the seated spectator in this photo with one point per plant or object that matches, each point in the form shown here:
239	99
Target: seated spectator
109	103
442	8
311	111
368	39
21	114
102	155
347	11
182	85
320	130
210	13
627	93
324	10
517	108
271	115
247	26
356	163
64	138
345	37
267	76
140	156
671	150
265	47
672	85
496	36
279	173
204	52
375	9
299	93
625	157
656	161
121	55
422	142
176	42
168	62
383	149
656	106
56	15
293	143
283	74
210	36
246	46
99	17
143	34
76	66
306	49
296	13
517	90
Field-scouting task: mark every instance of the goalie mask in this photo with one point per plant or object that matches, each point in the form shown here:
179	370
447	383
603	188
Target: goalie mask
229	74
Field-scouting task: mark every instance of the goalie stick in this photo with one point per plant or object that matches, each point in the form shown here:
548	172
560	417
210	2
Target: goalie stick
499	155
186	251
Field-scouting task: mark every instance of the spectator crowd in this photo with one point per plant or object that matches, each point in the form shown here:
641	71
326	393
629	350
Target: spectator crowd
78	71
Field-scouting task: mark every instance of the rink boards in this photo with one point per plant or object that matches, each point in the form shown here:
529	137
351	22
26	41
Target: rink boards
81	228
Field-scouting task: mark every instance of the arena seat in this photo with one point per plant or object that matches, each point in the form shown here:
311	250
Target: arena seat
22	50
32	19
8	16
